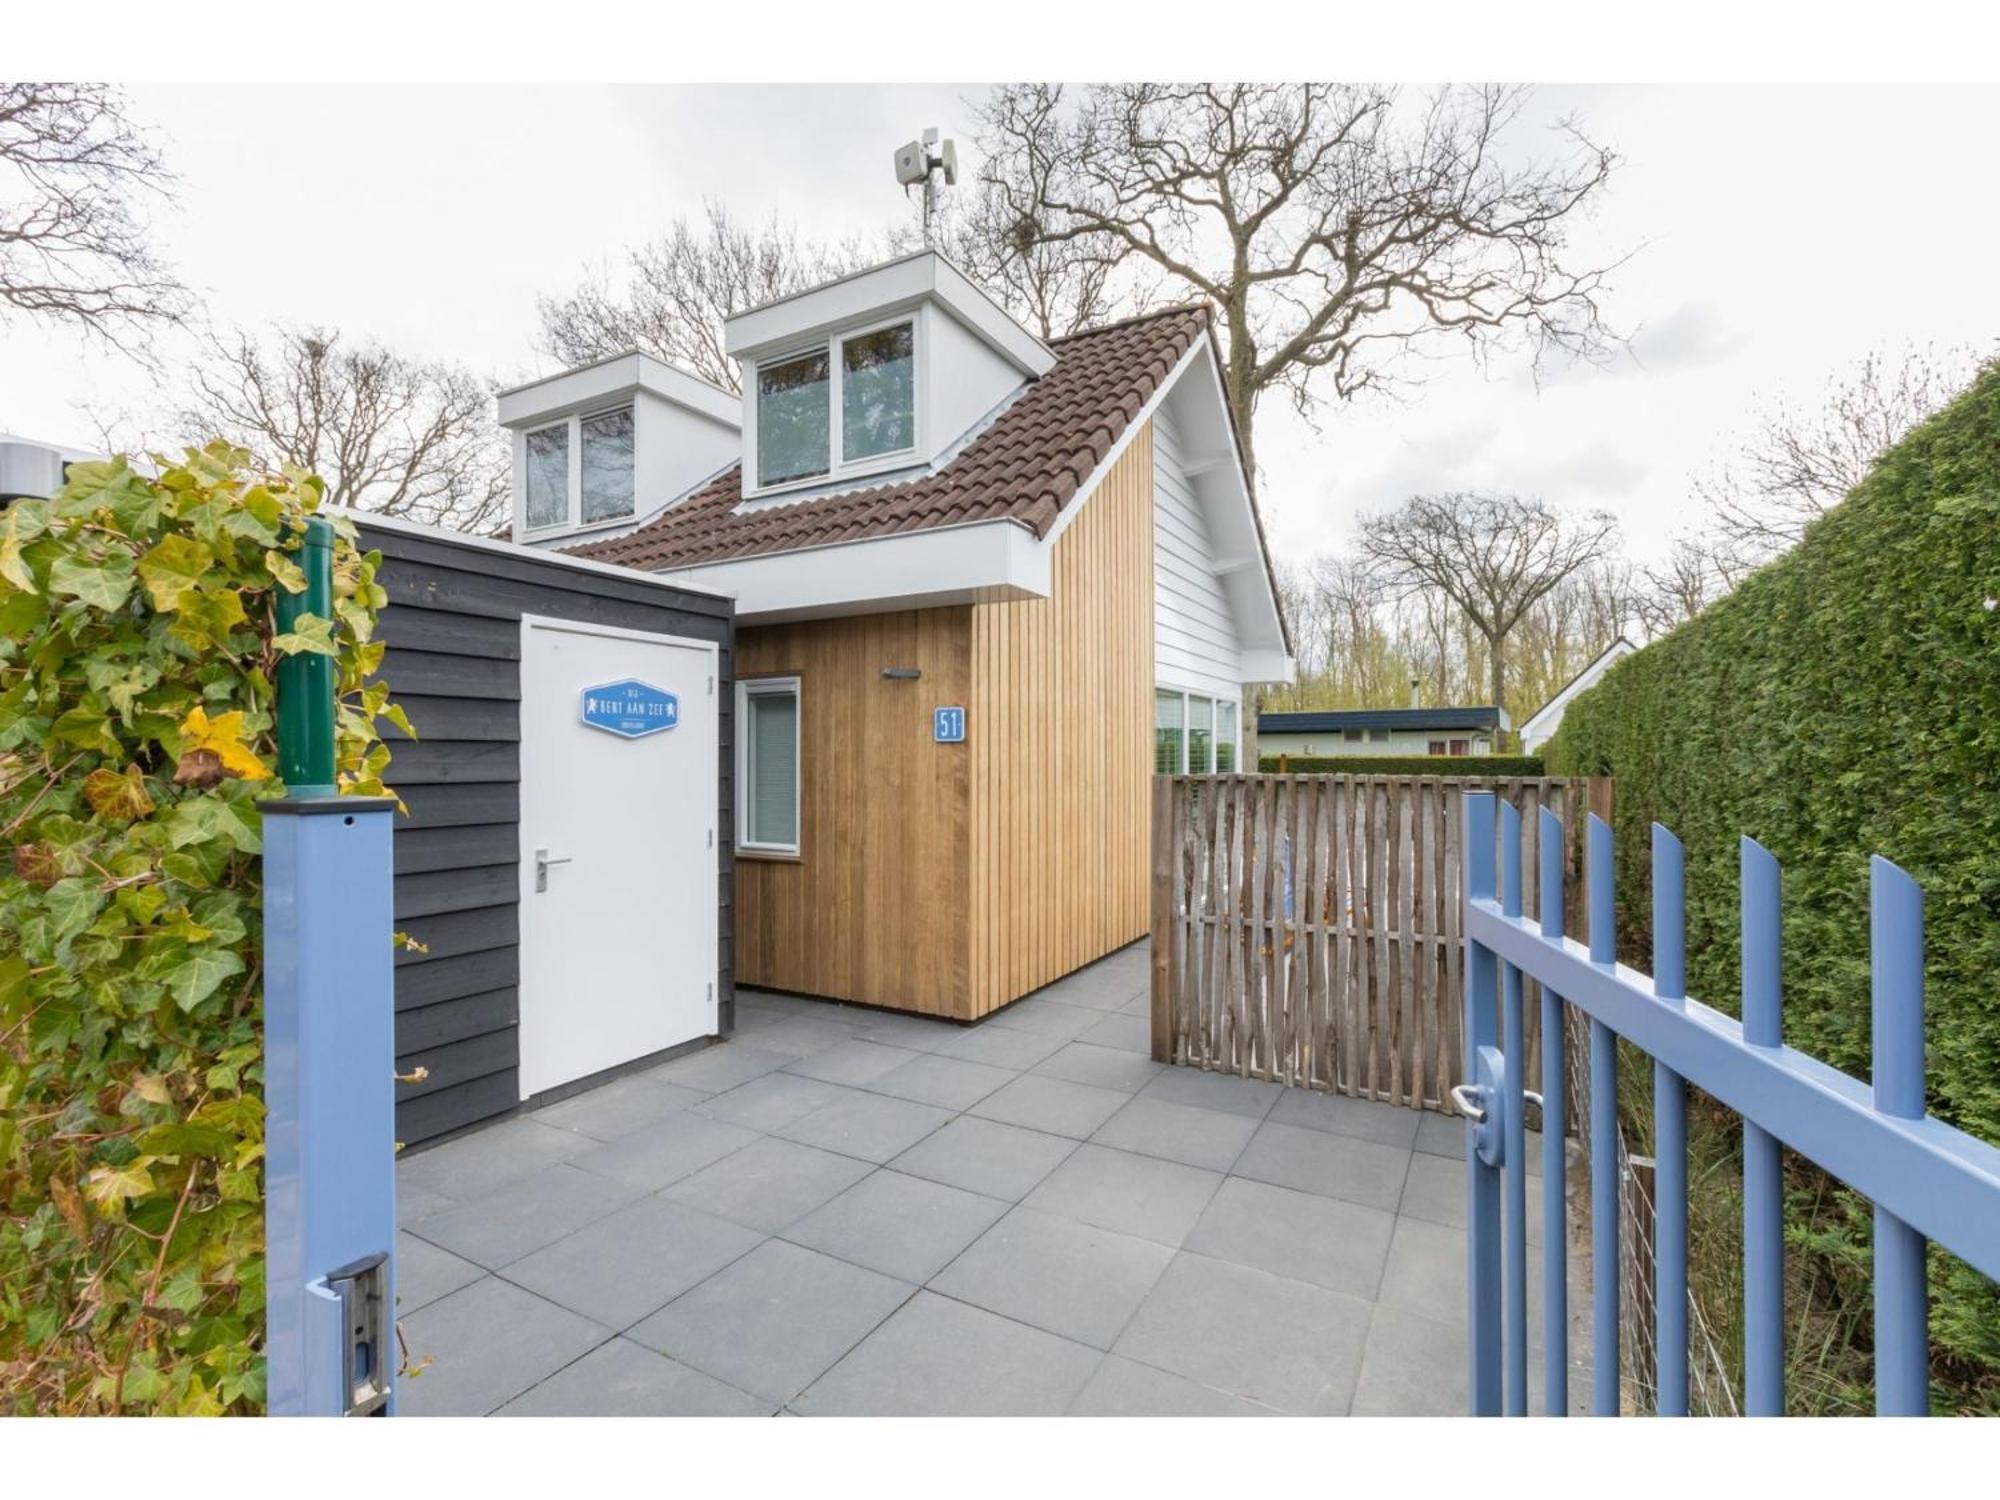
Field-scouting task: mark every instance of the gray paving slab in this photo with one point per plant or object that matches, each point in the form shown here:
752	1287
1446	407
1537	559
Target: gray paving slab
1058	1274
947	1082
903	1226
633	1262
414	1202
513	1221
485	1344
940	1357
424	1273
1340	1246
985	1156
769	1184
1226	1092
722	1066
1101	1067
475	1164
623	1379
918	1033
1178	1132
1055	1105
768	1102
1314	1161
1048	1017
1435	1190
1425	1270
874	1127
853	1062
654	1156
1118	1190
1129	1032
1337	1114
1284	1343
618	1108
800	1036
1001	1046
1412	1366
775	1320
1125	1388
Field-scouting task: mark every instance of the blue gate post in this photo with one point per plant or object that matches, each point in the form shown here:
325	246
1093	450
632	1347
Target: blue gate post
1670	1157
1763	1187
1902	1294
329	1053
1514	1150
1482	1029
1555	1125
1604	1205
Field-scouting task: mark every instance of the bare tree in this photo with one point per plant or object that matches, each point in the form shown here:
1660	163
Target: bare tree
1798	463
678	289
1493	556
72	247
1693	575
1335	226
1055	287
400	436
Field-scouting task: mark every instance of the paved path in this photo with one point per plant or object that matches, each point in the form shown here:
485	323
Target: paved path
843	1211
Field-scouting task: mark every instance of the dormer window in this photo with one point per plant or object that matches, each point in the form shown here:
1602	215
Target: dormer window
868	376
579	471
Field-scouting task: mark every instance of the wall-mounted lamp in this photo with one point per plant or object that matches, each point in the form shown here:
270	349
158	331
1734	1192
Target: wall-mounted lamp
902	674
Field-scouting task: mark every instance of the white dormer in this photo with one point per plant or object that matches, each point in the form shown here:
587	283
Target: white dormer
608	445
879	373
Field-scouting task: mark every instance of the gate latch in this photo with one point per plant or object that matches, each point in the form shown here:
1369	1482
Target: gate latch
1484	1103
365	1358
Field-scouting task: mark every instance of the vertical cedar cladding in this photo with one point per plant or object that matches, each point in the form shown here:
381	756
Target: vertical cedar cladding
873	908
1062	704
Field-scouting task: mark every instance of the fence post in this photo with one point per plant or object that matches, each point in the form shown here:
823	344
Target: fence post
1166	858
1902	1305
1555	1111
329	1053
1482	1029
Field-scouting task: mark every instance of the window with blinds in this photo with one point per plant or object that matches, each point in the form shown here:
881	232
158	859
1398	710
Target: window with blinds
1169	716
1225	737
770	769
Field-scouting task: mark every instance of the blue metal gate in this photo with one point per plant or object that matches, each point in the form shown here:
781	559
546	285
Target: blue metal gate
1927	1180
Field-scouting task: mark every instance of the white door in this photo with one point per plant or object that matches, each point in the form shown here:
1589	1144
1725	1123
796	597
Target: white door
618	858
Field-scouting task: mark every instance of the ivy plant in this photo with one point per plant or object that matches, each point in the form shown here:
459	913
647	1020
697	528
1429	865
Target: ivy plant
138	652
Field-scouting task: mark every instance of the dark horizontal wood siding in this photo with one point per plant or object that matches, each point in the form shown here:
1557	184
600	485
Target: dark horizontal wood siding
453	629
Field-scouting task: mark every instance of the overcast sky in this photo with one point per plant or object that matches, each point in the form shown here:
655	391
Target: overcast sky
1778	235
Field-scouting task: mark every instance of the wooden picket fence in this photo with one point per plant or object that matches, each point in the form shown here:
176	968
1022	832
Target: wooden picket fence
1306	929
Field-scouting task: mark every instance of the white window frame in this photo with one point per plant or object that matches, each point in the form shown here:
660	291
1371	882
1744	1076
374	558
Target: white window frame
837	466
746	689
573	477
1215	703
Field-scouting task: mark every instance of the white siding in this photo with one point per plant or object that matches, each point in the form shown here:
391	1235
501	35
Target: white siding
1195	642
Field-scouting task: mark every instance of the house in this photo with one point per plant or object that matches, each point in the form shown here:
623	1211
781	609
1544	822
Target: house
1542	724
1381	731
984	585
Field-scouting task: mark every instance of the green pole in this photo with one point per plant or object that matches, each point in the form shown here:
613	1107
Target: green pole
306	681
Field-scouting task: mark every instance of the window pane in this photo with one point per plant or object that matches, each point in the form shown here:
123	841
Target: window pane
877	393
792	420
1225	737
774	762
1167	734
607	465
1350	735
1201	734
548	477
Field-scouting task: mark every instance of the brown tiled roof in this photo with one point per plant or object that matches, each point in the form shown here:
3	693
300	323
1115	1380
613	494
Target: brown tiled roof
1027	465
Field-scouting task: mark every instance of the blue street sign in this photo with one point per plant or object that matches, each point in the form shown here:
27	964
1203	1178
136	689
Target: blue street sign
630	708
948	725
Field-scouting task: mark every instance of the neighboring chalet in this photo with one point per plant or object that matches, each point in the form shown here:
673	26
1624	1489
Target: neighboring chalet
1381	731
982	584
1542	724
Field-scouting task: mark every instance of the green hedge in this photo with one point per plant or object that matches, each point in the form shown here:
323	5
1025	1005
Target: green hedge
1844	701
1405	765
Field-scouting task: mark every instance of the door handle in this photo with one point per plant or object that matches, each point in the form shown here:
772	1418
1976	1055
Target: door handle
542	863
